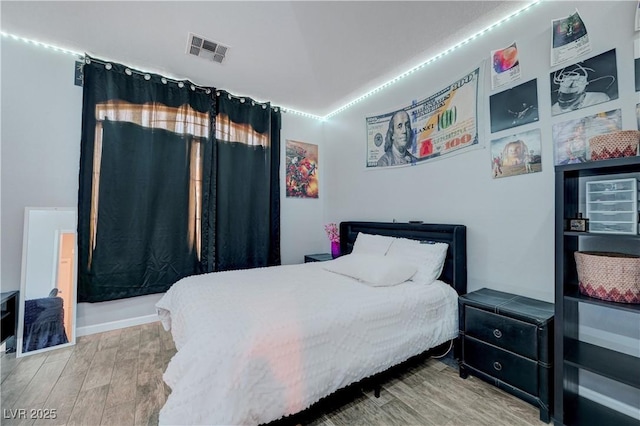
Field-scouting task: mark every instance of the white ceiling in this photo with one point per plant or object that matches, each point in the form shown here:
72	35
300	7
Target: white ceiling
312	56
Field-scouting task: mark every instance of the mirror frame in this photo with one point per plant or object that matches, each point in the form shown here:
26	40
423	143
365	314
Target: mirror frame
23	278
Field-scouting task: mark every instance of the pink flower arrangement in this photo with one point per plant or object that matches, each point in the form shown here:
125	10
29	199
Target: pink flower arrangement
332	232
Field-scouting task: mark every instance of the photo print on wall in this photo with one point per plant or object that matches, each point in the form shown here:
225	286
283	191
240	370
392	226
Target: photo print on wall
569	38
571	138
302	169
636	56
505	66
516	154
514	107
590	82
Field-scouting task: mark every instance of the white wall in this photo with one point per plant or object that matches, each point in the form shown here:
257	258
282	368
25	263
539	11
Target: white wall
41	124
510	221
302	218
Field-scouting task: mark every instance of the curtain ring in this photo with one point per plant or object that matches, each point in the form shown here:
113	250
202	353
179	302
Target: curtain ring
127	71
241	100
108	66
147	77
229	95
217	93
253	103
163	80
264	106
87	60
180	84
208	91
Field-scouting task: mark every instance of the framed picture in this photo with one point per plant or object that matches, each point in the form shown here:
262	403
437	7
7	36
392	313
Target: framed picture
516	154
583	84
302	169
514	107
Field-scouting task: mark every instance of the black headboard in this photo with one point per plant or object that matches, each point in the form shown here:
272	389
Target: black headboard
455	266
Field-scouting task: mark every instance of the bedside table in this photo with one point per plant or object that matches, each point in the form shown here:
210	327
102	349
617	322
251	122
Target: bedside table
507	340
318	257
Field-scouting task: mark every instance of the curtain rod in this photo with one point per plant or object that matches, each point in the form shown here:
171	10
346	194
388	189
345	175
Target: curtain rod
180	83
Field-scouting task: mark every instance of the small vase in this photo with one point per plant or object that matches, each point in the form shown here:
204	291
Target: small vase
335	249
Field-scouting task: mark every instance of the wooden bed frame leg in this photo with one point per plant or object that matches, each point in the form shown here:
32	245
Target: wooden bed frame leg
376	391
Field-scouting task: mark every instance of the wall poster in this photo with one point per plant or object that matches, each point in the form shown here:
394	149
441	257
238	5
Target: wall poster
505	66
571	138
514	107
585	83
569	39
442	124
302	169
516	154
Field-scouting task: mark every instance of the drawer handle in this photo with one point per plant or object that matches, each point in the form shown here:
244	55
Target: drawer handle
497	366
497	333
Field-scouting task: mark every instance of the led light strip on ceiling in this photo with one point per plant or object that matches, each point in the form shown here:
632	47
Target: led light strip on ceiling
354	101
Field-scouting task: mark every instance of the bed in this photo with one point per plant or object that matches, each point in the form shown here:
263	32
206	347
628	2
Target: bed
256	345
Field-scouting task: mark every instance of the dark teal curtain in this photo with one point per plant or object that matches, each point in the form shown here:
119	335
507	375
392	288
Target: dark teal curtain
145	204
248	181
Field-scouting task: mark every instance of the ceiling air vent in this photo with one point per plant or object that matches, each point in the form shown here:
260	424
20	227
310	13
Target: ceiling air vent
211	50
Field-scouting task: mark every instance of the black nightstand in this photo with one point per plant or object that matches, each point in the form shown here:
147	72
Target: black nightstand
318	257
507	340
9	322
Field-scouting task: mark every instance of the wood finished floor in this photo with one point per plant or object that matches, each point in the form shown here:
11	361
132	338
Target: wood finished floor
115	378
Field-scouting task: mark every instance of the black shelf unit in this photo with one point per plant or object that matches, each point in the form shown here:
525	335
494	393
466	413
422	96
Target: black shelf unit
572	355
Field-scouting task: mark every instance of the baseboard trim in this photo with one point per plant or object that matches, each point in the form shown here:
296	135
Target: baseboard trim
115	325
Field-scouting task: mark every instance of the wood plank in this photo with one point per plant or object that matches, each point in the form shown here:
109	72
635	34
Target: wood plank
150	397
18	380
81	358
62	398
101	369
109	339
129	347
42	383
121	415
123	385
62	354
89	406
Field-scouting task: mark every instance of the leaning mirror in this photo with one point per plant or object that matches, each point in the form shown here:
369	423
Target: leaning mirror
47	312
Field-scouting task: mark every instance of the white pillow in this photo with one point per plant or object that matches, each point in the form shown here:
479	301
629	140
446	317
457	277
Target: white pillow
371	244
427	257
373	270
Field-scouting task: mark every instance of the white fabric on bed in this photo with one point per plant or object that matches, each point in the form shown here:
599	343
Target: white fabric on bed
372	269
258	344
371	244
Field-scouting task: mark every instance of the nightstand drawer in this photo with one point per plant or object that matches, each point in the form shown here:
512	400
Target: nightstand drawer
508	333
502	365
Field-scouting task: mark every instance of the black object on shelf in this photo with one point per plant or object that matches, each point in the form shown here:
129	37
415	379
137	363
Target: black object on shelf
507	340
9	322
571	354
318	257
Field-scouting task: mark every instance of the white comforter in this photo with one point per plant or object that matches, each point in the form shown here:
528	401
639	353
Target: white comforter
258	344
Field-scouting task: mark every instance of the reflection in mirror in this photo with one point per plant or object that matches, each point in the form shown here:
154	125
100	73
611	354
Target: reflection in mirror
48	287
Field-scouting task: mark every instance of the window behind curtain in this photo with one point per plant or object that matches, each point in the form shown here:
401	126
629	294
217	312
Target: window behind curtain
145	219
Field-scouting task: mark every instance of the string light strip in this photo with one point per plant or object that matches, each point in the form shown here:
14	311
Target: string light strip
431	60
301	113
146	75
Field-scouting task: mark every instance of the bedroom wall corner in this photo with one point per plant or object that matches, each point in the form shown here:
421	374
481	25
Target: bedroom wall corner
302	219
510	221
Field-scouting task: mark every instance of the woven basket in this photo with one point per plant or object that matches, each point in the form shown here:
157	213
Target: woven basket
614	145
609	276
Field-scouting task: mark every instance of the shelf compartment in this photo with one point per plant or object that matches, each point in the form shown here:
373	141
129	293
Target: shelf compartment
604	362
598	234
583	411
572	293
